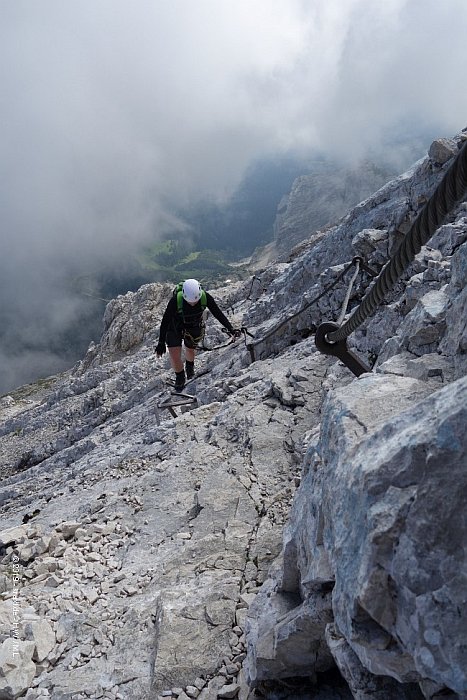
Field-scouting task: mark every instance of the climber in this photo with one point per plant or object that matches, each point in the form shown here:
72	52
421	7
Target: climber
183	321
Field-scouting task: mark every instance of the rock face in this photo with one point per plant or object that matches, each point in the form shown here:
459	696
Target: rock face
320	199
373	567
295	522
363	537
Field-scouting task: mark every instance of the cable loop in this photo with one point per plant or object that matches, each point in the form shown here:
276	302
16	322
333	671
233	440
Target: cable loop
233	337
310	303
349	290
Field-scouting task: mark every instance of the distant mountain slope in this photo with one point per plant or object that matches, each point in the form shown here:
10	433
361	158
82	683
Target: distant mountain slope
213	238
321	198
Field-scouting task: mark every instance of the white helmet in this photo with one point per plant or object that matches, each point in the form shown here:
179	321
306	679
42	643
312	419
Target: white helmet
191	290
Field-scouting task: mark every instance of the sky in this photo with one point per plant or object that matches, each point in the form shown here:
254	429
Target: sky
115	113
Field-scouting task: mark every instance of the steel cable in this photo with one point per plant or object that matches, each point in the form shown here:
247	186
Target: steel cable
349	291
310	303
450	192
251	346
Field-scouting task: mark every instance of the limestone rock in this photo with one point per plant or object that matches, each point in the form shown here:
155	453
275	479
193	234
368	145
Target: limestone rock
288	639
363	684
321	198
454	343
43	636
367	500
442	150
417	470
228	691
218	545
12	535
17	669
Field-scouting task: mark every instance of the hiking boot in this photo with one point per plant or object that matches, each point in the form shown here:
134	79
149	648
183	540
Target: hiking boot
179	380
190	369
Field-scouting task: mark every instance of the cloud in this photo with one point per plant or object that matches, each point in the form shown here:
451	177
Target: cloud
115	112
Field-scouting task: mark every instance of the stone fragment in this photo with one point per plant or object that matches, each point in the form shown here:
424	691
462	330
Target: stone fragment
240	617
43	636
42	545
93	557
130	590
12	535
59	549
68	528
363	684
26	551
248	598
232	669
251	571
53	581
17	669
442	150
80	532
228	691
92	595
55	539
35	693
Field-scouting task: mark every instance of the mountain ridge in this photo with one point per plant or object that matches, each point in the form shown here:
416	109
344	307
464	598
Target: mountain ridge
202	554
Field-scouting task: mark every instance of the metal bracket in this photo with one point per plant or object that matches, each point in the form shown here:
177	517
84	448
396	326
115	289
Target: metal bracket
339	349
251	349
170	404
364	266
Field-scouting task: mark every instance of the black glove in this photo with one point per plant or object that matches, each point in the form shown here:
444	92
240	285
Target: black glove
160	349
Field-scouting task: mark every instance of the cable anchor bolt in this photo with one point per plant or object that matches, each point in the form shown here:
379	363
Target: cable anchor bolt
339	349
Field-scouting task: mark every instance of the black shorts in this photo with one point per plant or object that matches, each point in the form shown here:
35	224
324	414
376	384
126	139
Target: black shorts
190	335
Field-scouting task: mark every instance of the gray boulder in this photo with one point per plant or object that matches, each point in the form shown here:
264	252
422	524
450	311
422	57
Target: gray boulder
362	526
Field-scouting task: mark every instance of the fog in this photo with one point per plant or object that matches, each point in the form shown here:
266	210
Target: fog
115	113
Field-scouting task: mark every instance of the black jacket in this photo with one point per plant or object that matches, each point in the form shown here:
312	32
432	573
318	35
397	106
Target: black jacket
191	316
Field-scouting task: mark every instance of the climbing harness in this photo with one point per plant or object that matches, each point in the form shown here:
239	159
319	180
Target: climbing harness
331	338
194	341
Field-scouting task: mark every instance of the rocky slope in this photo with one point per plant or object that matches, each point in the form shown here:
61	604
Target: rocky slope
296	522
320	199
